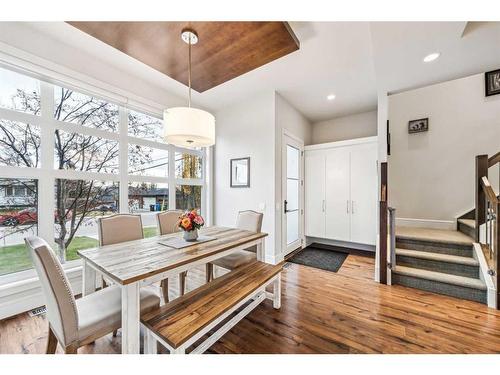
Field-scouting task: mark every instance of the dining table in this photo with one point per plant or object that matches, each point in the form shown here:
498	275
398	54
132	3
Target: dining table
135	264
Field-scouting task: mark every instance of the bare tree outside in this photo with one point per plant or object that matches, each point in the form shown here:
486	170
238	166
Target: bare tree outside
78	203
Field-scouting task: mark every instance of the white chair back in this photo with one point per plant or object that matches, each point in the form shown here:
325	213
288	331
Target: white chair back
168	221
61	306
120	228
250	220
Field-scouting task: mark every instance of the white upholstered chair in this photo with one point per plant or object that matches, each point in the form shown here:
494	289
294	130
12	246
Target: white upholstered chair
247	220
74	323
168	223
119	228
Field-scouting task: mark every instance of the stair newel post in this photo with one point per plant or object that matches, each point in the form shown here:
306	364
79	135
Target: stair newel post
496	235
480	197
383	224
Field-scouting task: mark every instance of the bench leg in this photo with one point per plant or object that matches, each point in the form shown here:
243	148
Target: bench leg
277	292
150	343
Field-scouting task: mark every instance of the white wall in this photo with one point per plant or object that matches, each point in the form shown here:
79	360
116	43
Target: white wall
287	119
246	129
254	128
431	174
348	127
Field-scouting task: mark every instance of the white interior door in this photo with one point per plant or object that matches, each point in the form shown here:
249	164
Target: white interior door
364	193
337	218
292	189
315	193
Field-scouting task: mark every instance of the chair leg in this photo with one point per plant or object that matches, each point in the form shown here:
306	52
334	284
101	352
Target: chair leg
182	282
51	342
210	272
164	289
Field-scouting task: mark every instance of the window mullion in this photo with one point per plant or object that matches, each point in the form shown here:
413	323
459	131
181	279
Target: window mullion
171	178
123	163
46	181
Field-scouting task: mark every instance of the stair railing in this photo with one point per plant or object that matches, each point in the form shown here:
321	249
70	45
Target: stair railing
487	217
483	163
489	236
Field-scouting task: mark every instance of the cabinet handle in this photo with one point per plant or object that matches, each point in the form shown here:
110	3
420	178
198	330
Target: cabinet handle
323	207
347	206
352	206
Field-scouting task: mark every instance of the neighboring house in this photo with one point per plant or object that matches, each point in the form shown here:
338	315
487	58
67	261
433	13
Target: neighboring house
141	198
17	195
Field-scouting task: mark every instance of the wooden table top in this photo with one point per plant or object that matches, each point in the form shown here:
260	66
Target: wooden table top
132	261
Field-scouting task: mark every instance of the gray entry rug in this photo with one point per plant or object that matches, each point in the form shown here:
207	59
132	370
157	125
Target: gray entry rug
328	260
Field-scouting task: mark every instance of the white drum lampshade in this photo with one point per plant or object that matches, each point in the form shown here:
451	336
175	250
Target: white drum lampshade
188	127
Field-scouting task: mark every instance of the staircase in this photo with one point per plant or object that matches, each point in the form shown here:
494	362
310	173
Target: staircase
438	261
451	262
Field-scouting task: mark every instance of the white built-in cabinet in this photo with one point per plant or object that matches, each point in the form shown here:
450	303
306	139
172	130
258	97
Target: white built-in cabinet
341	191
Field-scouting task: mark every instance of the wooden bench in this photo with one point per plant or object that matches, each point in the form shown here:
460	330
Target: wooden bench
182	322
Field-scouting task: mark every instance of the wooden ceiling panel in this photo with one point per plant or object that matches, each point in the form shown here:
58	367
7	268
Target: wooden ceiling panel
225	50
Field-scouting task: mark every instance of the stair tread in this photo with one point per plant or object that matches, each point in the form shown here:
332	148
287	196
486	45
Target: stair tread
433	235
469	222
469	261
467	282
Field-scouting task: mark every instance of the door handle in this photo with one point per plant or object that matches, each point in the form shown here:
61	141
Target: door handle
352	207
323	206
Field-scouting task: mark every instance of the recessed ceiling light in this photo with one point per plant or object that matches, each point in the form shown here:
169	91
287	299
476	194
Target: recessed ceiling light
331	97
431	57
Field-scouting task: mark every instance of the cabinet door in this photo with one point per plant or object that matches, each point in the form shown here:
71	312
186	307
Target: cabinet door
364	193
337	194
314	193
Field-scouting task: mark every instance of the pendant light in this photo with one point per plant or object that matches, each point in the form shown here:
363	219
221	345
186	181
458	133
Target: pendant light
186	126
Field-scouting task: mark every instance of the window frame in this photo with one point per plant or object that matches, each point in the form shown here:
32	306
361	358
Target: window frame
46	174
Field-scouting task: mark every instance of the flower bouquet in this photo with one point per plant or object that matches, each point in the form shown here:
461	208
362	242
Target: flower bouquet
190	222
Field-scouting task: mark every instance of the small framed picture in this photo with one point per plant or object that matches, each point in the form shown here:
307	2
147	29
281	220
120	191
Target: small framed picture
240	173
417	126
492	82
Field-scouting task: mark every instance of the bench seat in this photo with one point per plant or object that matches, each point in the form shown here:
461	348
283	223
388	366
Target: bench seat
180	323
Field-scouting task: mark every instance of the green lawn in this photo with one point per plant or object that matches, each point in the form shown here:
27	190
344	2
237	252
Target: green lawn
15	258
150	232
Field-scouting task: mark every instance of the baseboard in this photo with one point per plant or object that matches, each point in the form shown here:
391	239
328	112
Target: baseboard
350	245
426	223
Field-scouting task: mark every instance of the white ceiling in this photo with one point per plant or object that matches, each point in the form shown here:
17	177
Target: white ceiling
353	60
399	47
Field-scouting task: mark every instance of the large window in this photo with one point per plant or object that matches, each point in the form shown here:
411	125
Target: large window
78	206
19	92
18	219
68	157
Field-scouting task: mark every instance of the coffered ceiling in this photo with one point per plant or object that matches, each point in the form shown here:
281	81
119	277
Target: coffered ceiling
225	50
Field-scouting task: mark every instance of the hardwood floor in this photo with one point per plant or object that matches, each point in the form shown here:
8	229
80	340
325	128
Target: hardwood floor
324	312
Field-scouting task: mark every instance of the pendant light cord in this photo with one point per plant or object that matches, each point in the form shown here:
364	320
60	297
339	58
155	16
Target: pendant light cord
189	72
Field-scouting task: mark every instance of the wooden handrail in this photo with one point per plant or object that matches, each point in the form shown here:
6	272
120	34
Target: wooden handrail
494	159
488	191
